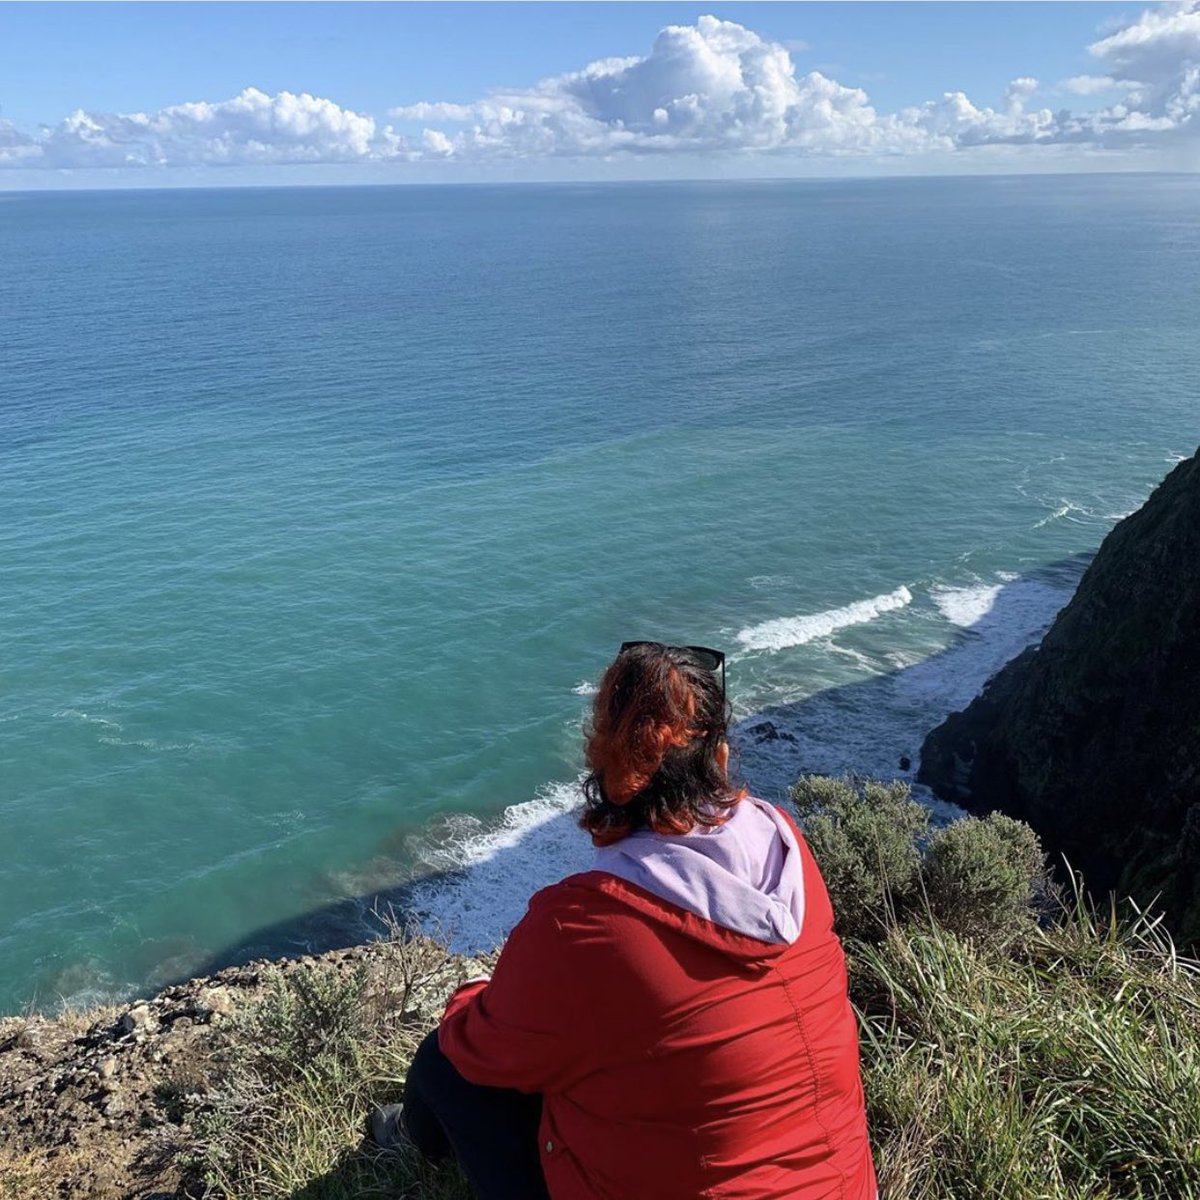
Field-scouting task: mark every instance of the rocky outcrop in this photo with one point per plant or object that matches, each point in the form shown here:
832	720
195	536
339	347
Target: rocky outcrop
105	1104
1093	737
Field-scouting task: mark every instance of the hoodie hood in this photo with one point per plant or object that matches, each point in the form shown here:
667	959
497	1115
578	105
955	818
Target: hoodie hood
744	875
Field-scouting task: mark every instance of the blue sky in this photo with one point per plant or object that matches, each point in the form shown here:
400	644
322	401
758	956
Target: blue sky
150	93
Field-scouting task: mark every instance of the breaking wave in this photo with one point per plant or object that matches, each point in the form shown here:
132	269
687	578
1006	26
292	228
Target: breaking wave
783	632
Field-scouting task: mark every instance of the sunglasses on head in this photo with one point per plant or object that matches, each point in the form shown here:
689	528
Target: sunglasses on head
706	656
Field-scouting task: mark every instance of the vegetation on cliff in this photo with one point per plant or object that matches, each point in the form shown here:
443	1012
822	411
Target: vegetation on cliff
1093	738
1015	1047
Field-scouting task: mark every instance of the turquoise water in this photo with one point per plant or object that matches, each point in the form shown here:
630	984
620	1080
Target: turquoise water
320	509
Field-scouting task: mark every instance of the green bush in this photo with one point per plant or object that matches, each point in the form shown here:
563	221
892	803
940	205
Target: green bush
301	1070
882	864
982	877
865	836
302	1017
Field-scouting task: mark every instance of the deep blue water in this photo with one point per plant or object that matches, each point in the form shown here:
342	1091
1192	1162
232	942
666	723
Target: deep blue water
320	508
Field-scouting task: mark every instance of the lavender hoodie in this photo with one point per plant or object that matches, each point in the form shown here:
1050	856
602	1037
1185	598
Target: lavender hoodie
744	875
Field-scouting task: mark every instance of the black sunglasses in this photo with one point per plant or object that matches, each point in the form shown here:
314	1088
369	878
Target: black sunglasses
706	656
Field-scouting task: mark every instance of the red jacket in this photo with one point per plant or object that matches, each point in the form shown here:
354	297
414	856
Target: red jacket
677	1059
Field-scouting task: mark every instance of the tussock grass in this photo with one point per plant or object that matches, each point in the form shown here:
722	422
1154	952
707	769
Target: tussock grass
21	1174
1063	1066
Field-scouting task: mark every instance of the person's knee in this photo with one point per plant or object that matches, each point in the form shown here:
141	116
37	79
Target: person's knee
425	1100
431	1074
428	1057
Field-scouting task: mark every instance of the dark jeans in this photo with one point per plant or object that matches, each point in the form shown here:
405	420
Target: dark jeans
492	1132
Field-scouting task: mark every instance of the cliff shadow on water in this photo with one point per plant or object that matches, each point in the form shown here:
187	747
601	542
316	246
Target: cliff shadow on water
865	727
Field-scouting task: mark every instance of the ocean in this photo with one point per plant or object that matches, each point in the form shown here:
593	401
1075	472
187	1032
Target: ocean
322	510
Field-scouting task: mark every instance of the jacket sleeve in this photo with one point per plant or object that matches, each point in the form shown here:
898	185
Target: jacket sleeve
527	1027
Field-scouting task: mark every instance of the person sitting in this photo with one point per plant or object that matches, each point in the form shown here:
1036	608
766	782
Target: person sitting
673	1023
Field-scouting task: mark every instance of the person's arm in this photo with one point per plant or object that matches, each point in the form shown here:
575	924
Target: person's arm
527	1027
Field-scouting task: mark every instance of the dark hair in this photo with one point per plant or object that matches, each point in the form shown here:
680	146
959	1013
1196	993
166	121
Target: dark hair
657	724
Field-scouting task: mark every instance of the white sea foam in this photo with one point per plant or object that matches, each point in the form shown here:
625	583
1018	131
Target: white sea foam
1061	511
487	872
585	688
783	632
965	606
87	718
866	725
145	743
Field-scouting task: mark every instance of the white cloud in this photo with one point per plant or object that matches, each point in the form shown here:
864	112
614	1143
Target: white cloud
1156	61
16	148
955	123
1017	93
719	87
712	86
1089	85
251	128
436	142
433	112
715	87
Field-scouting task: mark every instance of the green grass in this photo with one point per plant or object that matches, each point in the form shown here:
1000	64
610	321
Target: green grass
1065	1065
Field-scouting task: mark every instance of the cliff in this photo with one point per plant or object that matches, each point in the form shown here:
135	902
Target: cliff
1093	737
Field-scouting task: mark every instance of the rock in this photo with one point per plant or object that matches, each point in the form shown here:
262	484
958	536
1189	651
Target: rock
214	1002
766	731
106	1068
138	1019
1094	738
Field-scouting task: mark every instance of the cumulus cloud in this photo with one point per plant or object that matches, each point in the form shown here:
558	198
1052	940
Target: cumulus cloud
1089	85
1155	60
251	128
714	87
16	148
717	86
1156	45
955	123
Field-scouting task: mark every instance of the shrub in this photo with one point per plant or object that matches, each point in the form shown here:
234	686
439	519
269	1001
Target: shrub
301	1017
983	876
865	837
882	864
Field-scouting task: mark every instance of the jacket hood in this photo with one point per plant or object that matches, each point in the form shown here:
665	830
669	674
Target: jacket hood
744	876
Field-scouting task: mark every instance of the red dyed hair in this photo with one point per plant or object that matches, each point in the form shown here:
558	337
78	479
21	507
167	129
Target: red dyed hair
658	722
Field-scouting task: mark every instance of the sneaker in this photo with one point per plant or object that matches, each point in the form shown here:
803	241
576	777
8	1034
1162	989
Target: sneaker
387	1128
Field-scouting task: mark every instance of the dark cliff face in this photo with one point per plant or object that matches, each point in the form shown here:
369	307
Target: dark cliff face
1094	737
